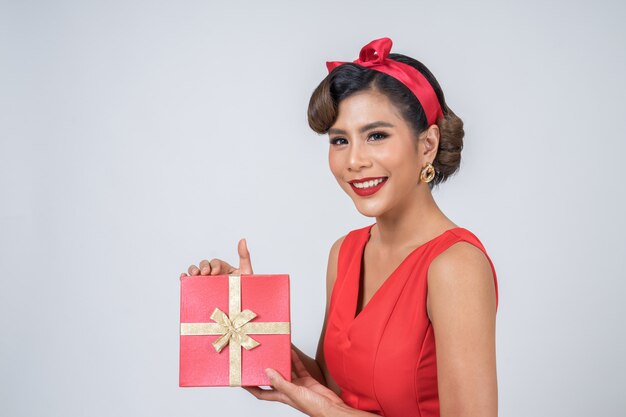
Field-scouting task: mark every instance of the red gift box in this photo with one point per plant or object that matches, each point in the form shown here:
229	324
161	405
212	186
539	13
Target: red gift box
232	327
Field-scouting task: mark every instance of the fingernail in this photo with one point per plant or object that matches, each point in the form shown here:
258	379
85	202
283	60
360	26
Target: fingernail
270	373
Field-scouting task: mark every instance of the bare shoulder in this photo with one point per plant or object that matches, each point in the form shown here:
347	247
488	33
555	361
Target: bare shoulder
461	273
334	249
331	273
461	255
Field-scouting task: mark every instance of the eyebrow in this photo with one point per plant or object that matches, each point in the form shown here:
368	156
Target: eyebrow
364	129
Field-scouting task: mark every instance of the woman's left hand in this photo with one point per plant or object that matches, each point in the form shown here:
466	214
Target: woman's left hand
303	393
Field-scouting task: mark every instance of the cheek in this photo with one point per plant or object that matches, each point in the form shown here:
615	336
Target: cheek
334	163
394	160
403	165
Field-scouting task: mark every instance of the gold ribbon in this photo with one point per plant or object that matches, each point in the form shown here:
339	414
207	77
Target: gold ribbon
234	329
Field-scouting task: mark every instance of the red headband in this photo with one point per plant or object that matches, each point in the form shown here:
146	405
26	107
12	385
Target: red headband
374	56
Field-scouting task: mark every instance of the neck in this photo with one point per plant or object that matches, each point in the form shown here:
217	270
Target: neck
418	219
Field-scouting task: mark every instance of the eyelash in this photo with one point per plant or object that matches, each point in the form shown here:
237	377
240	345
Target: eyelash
383	135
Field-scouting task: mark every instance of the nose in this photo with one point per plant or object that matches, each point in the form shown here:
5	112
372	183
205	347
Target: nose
358	158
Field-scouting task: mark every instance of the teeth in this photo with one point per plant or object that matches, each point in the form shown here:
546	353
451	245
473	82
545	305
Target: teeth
367	184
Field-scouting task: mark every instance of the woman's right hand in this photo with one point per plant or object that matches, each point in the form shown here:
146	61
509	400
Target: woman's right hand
219	267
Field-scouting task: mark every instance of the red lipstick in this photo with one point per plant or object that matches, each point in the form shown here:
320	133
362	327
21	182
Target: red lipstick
367	191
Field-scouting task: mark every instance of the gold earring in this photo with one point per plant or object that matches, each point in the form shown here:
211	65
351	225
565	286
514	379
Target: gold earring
428	172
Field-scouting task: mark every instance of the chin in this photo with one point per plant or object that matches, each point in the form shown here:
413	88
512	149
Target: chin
368	210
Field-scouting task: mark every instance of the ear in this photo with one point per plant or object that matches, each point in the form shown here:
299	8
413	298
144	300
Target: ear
430	142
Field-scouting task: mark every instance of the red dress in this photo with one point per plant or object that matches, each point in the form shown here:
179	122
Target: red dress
384	359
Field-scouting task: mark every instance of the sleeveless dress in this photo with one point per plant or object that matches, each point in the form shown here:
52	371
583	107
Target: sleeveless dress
384	359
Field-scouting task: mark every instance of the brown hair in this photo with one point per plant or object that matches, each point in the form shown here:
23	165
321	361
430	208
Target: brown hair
350	78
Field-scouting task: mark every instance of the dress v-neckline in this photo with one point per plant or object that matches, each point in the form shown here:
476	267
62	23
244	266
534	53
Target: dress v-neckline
385	283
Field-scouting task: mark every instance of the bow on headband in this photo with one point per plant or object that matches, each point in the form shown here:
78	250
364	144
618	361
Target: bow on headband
374	56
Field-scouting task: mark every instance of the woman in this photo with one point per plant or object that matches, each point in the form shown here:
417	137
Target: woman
412	277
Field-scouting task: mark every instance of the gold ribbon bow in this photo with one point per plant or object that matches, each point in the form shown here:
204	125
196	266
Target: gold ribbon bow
234	329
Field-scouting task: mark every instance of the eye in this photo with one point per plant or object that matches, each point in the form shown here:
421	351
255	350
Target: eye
376	136
338	141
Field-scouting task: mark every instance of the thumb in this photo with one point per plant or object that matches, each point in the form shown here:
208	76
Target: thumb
245	265
290	392
278	382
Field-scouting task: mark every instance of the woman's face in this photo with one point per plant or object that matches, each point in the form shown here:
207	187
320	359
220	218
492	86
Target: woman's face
374	155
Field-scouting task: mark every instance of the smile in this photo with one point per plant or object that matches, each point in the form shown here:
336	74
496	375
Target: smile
367	186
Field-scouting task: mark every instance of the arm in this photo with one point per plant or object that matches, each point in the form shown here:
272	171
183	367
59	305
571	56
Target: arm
462	307
317	366
331	277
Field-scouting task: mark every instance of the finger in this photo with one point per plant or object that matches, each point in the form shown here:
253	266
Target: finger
269	395
298	365
281	384
193	270
220	267
245	265
183	275
205	267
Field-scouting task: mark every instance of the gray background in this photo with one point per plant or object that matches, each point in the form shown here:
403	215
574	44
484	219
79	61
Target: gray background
139	137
